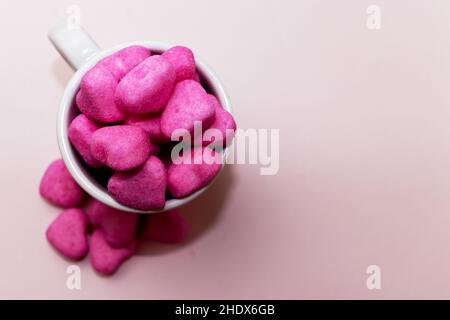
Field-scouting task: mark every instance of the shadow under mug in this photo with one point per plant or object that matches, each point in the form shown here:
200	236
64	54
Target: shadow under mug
82	53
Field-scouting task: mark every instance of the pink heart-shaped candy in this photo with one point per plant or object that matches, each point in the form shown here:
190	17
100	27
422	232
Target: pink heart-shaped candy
106	259
118	226
58	186
143	188
67	234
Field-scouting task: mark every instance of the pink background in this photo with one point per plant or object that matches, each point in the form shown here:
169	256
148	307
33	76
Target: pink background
365	150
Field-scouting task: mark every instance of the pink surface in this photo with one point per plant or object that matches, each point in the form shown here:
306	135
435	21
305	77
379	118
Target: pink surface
365	150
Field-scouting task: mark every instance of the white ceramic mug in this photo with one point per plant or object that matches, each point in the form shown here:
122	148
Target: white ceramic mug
82	53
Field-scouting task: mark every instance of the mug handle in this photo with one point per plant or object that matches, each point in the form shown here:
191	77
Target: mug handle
73	43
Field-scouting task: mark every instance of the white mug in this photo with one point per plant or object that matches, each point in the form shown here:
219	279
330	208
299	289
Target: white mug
81	52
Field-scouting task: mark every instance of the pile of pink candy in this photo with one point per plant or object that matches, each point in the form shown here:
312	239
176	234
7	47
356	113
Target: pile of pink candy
131	104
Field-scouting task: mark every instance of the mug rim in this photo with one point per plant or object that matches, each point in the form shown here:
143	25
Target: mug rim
68	153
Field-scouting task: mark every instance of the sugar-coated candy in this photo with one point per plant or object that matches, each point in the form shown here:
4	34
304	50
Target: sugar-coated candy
186	177
81	130
58	186
131	104
188	104
143	188
166	227
224	124
120	147
182	59
118	226
95	98
107	259
68	234
150	123
147	87
122	61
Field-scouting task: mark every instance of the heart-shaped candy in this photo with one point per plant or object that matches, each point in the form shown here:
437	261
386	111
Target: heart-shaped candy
67	234
118	226
143	188
106	259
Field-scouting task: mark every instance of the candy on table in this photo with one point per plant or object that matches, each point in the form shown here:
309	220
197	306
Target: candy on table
120	147
188	104
186	177
118	226
147	87
143	188
107	259
58	186
166	227
67	234
81	130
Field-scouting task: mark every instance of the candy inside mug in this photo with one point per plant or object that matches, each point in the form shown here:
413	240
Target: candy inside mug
83	55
